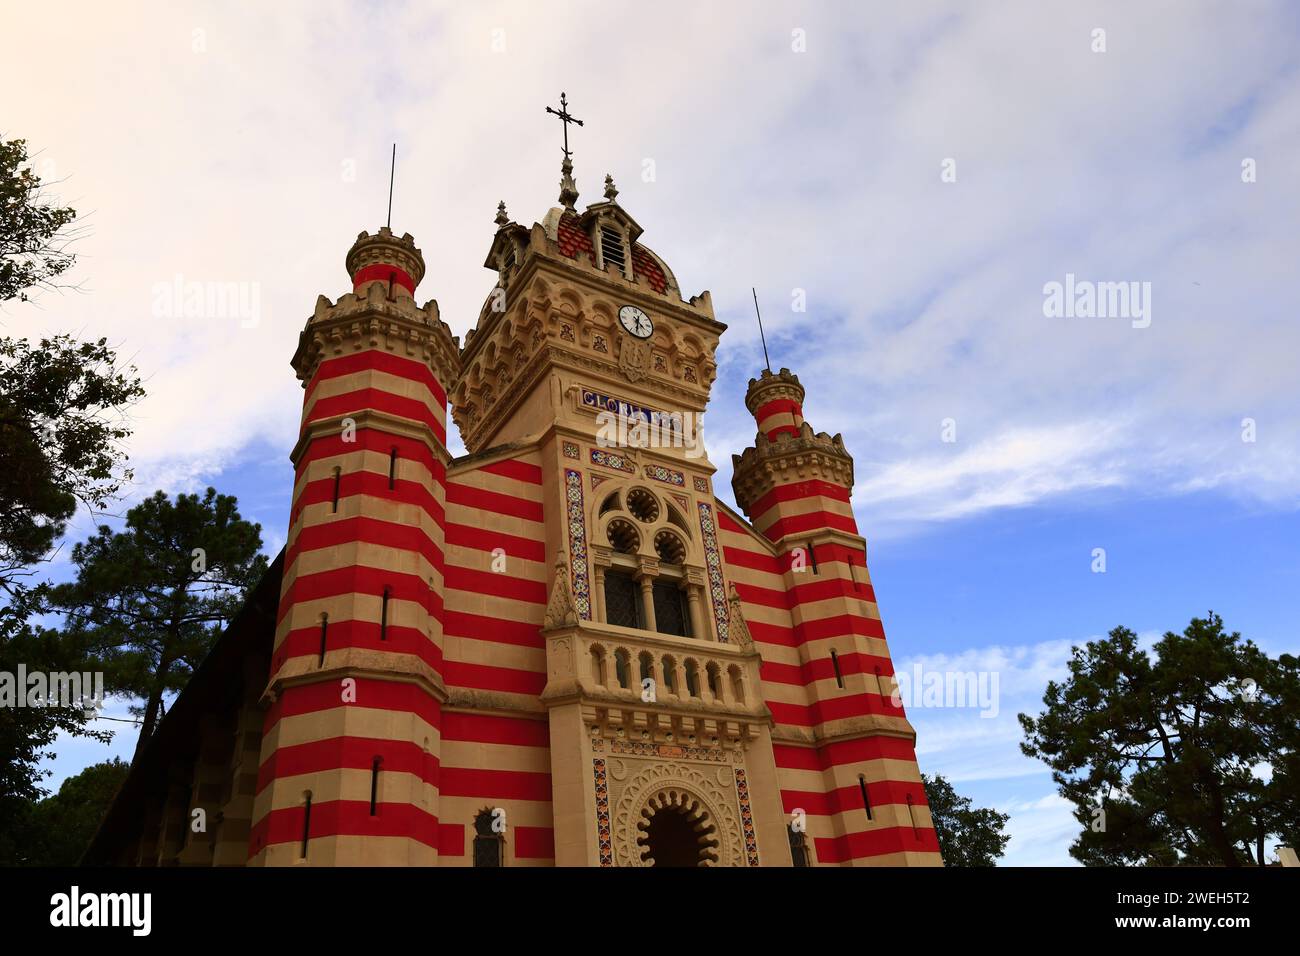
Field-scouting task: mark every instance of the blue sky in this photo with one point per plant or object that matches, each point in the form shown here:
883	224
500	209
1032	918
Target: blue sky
799	148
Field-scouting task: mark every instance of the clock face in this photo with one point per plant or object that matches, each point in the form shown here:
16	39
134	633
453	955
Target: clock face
635	321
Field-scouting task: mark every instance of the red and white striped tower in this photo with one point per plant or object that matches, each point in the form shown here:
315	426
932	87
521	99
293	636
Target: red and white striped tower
795	486
351	740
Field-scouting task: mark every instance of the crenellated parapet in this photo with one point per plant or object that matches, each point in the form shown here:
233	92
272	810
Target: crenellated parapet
373	320
809	456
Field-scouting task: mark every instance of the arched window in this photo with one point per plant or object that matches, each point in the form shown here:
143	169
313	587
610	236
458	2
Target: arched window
737	684
598	666
621	669
798	845
622	600
489	843
692	678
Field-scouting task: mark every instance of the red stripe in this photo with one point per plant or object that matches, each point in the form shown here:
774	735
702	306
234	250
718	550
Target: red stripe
383	271
370	693
506	680
494	501
371	485
813	521
365	399
344	818
481	539
348	753
842	799
516	469
495	784
370	439
798	491
869	843
480	728
380	361
361	529
357	579
305	642
534	843
835	708
497	585
478	627
843	752
778	406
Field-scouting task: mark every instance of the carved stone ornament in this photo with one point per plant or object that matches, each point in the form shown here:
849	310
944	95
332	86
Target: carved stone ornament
633	358
739	630
561	611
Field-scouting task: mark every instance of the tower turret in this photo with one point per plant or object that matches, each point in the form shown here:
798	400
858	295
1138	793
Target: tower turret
795	485
350	747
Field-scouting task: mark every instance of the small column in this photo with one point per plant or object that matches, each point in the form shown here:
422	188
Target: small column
694	589
599	562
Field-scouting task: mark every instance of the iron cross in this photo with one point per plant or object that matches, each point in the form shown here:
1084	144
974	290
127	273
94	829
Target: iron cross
563	114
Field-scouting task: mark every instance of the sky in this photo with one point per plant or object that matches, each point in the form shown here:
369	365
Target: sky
902	182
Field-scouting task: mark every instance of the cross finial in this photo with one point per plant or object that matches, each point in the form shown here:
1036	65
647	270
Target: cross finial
566	118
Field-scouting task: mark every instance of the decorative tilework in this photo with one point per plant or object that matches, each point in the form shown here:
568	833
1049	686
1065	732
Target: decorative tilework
642	748
571	450
683	501
578	542
609	460
660	473
597	479
701	484
746	819
713	559
602	813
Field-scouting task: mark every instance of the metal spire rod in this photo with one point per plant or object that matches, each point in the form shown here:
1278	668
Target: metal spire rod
392	172
762	337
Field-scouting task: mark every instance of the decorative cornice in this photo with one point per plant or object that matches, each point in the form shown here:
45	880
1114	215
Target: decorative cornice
767	464
374	321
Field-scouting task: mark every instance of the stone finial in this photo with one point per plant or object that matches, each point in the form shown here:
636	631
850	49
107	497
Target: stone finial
568	188
502	219
736	625
560	610
610	191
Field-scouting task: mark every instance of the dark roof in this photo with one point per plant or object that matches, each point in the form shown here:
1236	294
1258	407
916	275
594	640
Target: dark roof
215	687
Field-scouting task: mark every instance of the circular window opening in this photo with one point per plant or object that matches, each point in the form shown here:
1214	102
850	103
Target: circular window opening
669	547
675	830
623	537
643	505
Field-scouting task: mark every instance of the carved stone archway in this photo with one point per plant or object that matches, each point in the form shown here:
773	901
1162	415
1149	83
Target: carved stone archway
705	797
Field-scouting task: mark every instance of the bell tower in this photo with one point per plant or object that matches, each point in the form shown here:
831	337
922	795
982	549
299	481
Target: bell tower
660	743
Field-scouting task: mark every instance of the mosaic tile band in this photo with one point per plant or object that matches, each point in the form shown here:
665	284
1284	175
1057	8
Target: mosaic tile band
578	542
709	533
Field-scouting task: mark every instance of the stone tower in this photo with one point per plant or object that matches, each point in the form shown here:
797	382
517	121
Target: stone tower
351	737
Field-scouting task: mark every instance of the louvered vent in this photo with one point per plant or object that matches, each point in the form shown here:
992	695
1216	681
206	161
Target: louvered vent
611	246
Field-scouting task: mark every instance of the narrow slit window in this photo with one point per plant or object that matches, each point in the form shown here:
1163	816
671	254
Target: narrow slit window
853	572
383	617
835	663
324	633
798	845
374	786
392	469
338	476
812	554
306	825
911	818
866	800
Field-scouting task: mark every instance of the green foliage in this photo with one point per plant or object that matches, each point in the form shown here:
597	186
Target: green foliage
967	836
57	830
61	430
1190	759
152	598
26	732
33	234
